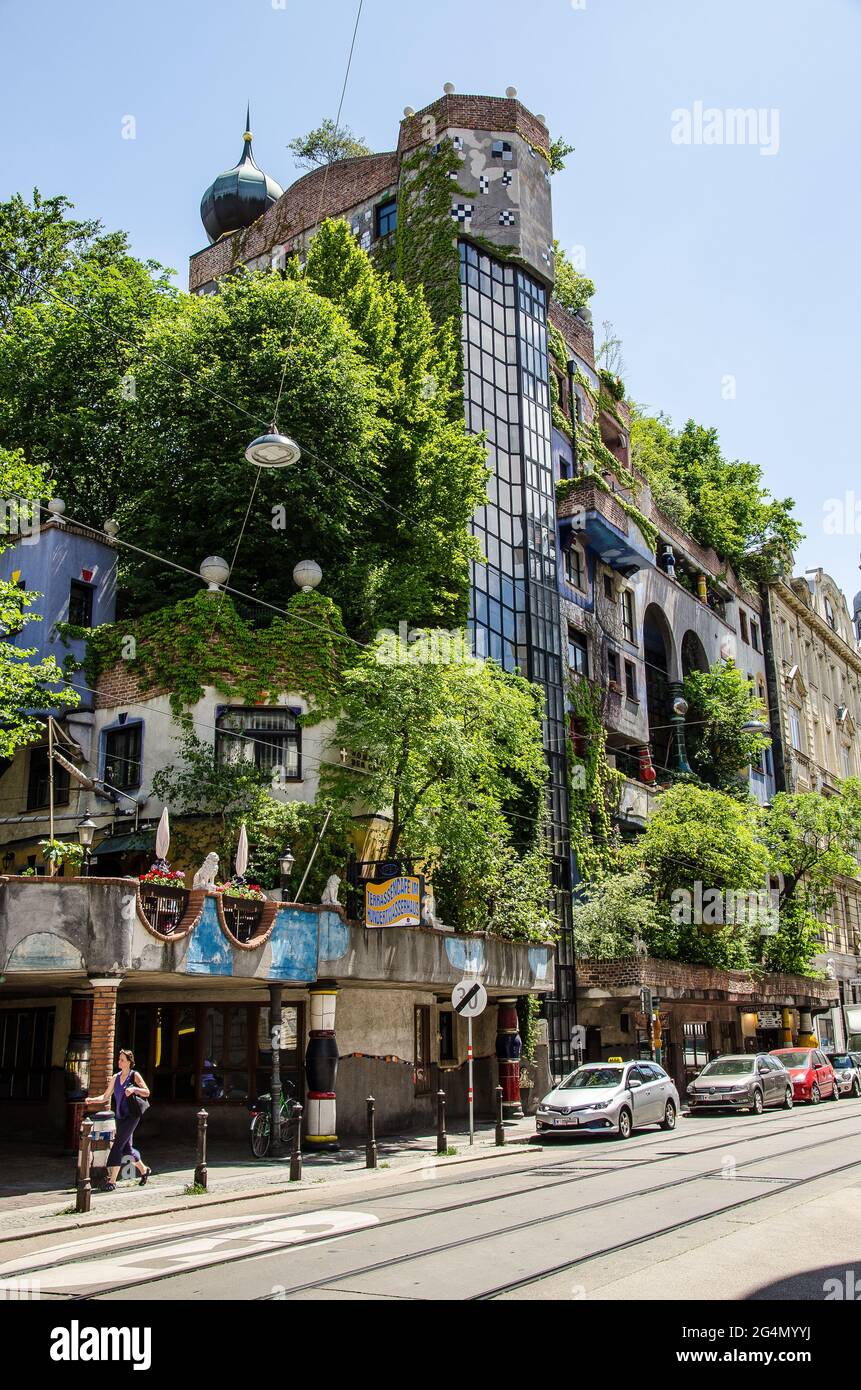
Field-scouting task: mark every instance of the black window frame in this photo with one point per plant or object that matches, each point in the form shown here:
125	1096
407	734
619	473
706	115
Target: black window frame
81	593
130	774
291	737
26	1078
38	778
577	643
631	681
614	673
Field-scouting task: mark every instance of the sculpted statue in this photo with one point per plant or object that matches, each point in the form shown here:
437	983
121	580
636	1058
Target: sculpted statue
207	873
330	892
429	918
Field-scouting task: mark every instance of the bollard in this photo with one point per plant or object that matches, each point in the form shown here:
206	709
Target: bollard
296	1146
200	1169
441	1136
500	1127
371	1145
82	1199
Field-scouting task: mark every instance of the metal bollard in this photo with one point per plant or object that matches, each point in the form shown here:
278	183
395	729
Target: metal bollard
371	1145
84	1193
296	1147
500	1127
441	1136
200	1169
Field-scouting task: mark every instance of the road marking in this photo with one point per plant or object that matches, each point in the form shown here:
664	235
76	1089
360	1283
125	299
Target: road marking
177	1249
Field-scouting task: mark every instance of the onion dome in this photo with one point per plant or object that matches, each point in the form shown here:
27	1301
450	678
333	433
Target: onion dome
239	196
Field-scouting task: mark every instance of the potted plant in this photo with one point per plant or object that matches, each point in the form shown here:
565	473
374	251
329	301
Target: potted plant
166	878
242	906
56	853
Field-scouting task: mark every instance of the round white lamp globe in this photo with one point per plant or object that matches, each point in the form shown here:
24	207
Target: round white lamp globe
307	575
214	571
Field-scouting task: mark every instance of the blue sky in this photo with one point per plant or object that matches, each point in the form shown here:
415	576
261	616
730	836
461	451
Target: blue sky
712	261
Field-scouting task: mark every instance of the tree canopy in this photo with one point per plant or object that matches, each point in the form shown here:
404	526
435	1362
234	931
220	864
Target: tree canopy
25	685
724	502
720	702
326	143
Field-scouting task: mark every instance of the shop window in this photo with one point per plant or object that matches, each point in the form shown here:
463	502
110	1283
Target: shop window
26	1036
696	1044
38	781
212	1053
422	1050
123	756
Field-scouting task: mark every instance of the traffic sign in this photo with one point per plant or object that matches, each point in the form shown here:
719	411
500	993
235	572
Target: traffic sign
469	999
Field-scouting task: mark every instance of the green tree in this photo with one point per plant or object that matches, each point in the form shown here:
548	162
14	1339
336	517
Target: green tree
720	702
572	289
612	914
25	685
559	152
730	509
812	841
368	389
325	144
211	800
451	753
74	305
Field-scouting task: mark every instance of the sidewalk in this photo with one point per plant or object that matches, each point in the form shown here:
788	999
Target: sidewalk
36	1191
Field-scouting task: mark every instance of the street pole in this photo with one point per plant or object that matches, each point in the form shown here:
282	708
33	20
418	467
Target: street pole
471	1099
313	855
275	1099
52	863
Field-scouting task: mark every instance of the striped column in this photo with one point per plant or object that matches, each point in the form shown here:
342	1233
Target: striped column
321	1069
508	1049
102	1058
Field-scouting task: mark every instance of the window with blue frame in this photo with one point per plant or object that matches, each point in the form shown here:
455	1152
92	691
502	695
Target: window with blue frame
387	217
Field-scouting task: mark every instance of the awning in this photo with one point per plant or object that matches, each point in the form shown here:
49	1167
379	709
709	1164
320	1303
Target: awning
142	843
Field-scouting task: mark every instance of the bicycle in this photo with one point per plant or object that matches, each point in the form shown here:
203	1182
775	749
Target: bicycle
260	1136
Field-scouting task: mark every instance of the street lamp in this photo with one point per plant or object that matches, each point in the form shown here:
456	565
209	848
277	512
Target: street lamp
754	726
86	831
273	450
286	860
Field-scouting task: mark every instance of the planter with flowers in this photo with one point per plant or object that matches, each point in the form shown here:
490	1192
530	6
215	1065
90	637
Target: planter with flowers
242	907
164	898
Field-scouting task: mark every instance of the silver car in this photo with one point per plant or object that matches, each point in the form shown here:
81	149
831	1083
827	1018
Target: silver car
618	1096
847	1072
751	1081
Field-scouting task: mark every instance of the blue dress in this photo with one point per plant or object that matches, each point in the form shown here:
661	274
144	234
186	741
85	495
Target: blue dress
127	1122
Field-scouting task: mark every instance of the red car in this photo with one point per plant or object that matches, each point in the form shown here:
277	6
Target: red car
812	1074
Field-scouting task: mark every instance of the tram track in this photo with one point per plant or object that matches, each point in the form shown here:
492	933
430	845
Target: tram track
569	1174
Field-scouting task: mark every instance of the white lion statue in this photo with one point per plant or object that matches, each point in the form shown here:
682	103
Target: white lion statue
207	873
330	892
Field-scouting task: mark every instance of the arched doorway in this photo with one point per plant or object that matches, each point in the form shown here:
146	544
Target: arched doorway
693	654
657	652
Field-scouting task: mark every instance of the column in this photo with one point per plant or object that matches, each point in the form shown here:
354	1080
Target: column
508	1049
678	710
806	1035
102	1054
321	1069
786	1025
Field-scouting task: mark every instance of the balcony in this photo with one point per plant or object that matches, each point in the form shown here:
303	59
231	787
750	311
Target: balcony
599	517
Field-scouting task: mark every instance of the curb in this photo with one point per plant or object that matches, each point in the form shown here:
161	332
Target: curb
255	1194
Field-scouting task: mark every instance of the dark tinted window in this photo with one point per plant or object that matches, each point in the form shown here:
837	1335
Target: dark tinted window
123	757
80	604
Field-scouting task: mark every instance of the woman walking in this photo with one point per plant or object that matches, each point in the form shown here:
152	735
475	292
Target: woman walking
125	1085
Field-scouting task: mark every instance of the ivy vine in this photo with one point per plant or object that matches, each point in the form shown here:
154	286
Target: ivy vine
203	641
426	251
594	787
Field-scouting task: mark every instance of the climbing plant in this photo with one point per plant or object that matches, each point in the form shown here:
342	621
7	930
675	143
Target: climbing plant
594	786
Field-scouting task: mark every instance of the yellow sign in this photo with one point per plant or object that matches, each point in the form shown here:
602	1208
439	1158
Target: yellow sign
396	902
614	1059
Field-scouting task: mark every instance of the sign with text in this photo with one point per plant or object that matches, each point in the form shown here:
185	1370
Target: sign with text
396	902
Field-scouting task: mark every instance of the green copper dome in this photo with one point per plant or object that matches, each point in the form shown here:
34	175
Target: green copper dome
238	196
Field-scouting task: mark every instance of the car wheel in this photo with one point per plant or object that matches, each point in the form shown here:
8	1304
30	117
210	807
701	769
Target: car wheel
626	1123
757	1106
815	1094
787	1099
835	1091
856	1089
669	1120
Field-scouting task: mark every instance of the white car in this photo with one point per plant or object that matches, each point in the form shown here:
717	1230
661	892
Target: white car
618	1096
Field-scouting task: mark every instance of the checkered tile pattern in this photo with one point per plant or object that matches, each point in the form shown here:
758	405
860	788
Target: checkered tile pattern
507	177
506	218
483	183
462	212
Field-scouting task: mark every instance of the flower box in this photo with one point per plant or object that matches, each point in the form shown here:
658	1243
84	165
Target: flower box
163	906
242	915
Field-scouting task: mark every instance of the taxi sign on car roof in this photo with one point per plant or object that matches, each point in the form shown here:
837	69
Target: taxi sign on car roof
614	1059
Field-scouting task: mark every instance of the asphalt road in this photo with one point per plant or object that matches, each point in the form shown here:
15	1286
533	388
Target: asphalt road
730	1206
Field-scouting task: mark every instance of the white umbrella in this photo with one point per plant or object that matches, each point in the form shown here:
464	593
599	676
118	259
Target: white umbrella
242	852
162	836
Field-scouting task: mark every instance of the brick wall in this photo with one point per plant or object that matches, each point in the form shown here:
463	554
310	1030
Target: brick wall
320	194
104	1027
462	112
119	685
739	985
